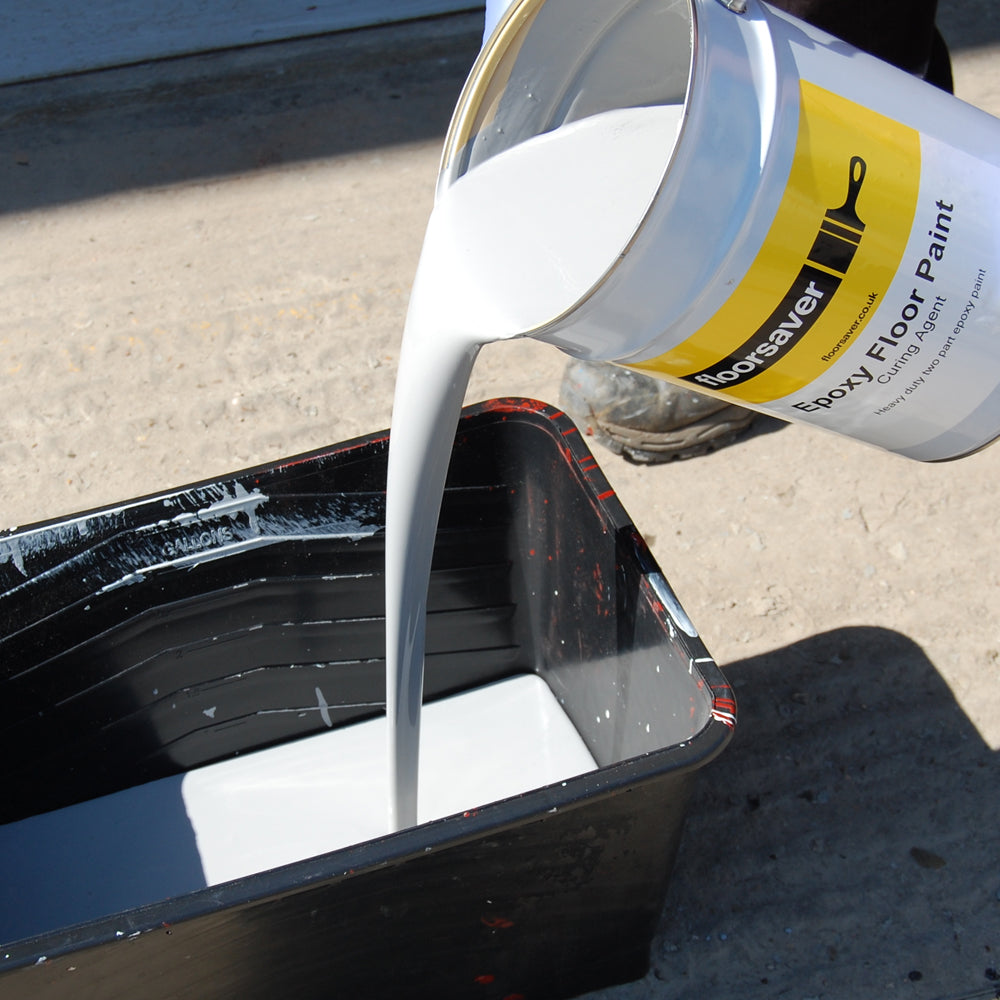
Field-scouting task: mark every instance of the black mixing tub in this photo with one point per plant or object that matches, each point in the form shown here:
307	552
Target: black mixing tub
120	627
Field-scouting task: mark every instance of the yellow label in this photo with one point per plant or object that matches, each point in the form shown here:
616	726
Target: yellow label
828	258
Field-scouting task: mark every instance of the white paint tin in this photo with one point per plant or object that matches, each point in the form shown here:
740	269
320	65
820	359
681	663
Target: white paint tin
823	244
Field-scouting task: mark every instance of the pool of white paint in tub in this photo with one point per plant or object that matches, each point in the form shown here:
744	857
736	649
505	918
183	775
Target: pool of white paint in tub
276	806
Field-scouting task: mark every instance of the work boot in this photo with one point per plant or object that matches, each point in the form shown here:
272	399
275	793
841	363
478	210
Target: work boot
648	420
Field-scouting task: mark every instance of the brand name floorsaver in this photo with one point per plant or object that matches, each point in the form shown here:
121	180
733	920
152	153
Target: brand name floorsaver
828	261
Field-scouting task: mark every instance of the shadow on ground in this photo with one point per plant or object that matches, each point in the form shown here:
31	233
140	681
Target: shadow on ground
198	117
969	24
845	844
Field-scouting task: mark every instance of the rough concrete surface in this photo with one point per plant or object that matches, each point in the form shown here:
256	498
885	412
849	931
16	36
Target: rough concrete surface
206	265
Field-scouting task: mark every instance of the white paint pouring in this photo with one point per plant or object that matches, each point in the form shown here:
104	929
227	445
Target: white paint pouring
510	246
545	218
275	807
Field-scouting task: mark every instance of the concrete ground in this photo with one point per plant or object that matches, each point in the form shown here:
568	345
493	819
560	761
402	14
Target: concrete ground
206	266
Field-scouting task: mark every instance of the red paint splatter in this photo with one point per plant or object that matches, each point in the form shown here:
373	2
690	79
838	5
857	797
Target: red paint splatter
605	495
336	452
531	552
485	979
514	404
501	923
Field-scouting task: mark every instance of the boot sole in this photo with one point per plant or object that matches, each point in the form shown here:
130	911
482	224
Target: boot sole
651	448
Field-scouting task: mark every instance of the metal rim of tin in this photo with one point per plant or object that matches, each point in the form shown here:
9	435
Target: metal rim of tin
513	19
482	76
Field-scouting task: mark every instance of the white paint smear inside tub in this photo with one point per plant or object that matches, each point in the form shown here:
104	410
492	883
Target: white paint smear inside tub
276	806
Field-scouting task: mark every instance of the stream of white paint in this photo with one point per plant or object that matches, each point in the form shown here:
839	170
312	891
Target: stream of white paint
510	246
546	218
